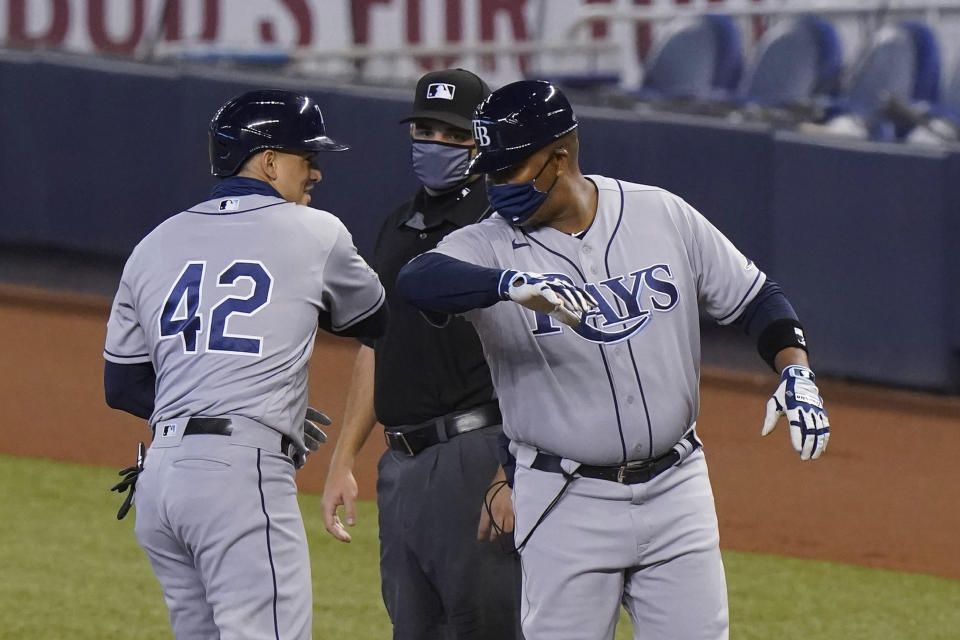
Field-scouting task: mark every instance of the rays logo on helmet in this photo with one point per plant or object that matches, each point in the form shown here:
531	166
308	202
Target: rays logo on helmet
441	90
634	297
480	134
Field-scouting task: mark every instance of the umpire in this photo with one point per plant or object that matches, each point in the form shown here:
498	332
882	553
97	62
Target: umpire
431	389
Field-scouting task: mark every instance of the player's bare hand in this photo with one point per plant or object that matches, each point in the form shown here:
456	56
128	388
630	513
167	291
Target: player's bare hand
552	295
340	490
496	514
798	398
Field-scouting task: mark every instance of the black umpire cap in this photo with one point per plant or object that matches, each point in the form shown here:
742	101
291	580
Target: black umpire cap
449	96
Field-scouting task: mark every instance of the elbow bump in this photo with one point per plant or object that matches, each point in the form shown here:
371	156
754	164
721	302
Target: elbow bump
404	286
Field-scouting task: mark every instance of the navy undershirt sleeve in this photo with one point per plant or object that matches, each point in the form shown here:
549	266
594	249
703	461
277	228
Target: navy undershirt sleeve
130	387
438	283
769	305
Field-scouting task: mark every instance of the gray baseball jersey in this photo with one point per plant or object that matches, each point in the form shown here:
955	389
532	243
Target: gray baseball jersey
623	385
224	300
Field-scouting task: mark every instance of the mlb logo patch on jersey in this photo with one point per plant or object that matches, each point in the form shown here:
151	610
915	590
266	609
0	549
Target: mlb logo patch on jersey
441	90
168	430
229	205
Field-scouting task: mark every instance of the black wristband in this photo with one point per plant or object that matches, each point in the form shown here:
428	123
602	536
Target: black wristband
779	335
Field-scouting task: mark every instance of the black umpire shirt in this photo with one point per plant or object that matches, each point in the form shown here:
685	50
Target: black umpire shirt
422	371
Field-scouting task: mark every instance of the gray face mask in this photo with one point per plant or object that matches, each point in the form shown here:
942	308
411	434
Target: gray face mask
438	165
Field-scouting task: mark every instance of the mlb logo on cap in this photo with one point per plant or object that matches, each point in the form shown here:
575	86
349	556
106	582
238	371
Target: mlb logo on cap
448	95
441	90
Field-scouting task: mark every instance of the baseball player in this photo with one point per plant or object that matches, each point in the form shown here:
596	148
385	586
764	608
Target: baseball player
431	389
209	338
584	291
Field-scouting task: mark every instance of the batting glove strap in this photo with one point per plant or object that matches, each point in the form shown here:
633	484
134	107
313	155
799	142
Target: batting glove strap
130	475
798	398
506	278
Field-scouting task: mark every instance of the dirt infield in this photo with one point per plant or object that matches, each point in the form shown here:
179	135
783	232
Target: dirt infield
884	495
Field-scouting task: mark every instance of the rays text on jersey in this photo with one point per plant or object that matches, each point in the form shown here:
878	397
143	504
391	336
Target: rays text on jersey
625	304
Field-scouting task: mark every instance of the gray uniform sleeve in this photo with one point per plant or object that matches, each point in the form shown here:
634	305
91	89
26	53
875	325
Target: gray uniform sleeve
727	280
126	342
471	244
351	289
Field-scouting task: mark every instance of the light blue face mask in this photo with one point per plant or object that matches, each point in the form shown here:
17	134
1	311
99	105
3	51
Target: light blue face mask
439	165
517	202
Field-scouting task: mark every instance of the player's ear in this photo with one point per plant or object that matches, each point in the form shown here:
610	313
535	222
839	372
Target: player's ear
563	159
268	163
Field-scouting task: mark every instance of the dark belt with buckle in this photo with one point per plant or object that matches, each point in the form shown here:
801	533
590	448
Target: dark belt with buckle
414	439
223	427
628	473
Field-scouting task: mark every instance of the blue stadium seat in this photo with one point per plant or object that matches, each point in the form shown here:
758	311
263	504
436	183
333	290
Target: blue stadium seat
902	61
929	123
900	66
949	106
795	61
698	58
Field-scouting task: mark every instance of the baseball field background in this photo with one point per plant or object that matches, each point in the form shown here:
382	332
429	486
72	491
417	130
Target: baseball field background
105	135
861	544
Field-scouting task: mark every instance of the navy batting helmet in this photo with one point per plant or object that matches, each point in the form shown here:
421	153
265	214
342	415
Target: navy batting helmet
515	121
265	119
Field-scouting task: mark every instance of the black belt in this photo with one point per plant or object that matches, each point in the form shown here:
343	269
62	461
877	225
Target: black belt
223	427
414	439
628	473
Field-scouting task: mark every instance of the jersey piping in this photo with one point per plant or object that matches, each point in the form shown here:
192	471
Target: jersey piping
743	301
633	359
360	316
232	213
603	356
121	359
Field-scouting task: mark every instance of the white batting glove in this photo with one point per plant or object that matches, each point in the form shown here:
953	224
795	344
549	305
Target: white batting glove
798	398
553	296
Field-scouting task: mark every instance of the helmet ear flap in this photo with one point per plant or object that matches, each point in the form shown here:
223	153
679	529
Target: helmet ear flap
226	157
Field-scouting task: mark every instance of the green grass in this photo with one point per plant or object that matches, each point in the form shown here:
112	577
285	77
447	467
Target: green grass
71	570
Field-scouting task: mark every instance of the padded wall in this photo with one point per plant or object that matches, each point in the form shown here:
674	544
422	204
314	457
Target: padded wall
860	235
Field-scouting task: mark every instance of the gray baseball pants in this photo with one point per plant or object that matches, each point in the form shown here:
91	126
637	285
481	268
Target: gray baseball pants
218	518
653	547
